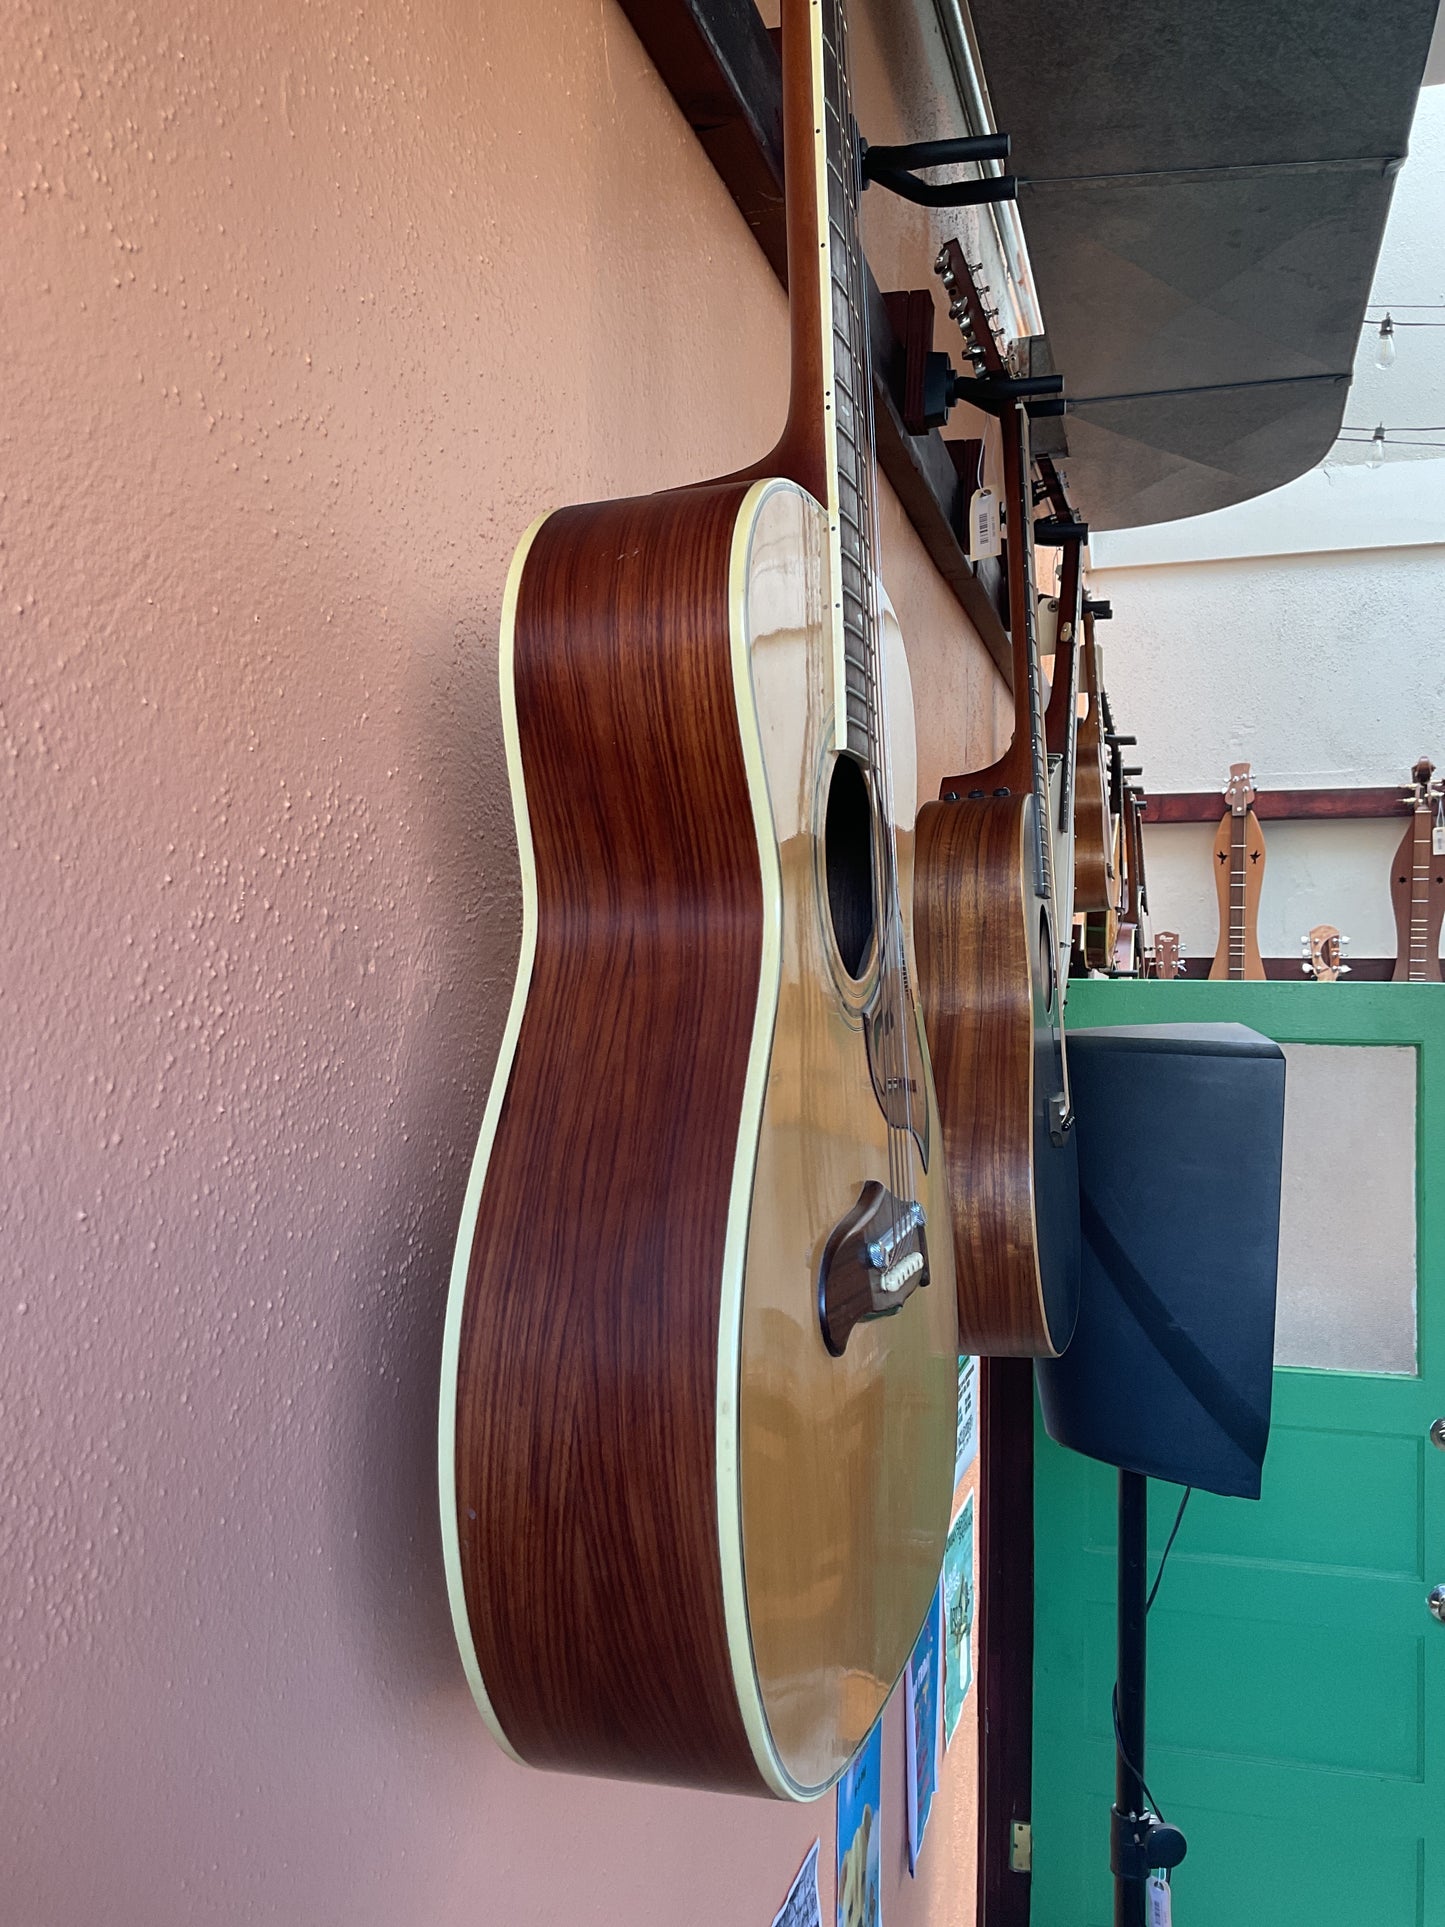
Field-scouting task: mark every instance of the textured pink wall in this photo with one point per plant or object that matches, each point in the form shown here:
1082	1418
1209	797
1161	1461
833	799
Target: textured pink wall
307	312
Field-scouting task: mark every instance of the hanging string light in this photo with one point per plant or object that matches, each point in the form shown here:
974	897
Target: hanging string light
1385	351
1377	445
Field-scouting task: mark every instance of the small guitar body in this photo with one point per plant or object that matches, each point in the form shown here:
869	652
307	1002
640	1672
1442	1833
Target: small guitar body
1095	842
1238	879
699	1378
990	992
1417	882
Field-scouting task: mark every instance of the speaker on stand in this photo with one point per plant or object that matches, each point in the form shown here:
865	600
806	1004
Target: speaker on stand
1169	1372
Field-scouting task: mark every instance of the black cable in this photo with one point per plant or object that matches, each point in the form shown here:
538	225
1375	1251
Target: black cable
1168	1545
1151	1802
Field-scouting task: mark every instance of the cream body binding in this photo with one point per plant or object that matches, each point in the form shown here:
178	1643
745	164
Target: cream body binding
834	1475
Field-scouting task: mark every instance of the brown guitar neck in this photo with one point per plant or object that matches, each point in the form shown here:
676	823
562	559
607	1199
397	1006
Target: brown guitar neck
1417	885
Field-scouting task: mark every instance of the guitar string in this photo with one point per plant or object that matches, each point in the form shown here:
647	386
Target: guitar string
841	286
892	962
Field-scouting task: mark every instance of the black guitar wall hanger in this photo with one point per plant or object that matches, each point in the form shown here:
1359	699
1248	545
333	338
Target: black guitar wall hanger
892	168
1053	531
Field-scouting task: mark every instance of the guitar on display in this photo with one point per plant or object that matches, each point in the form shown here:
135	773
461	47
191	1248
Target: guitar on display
700	1365
1059	617
1417	880
1325	954
985	919
1238	875
1096	838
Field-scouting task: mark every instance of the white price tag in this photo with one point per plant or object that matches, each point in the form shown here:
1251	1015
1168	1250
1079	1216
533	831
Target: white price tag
1156	1891
985	536
1437	840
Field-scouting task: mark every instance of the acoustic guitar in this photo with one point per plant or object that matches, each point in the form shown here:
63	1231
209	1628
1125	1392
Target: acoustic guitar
1133	943
1095	844
1061	716
1417	881
1325	954
700	1368
1238	875
988	974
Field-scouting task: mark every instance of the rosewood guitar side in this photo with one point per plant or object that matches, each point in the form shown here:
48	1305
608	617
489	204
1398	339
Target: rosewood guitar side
985	968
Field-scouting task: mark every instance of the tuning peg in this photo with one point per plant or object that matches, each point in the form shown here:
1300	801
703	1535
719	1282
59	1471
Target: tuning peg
1308	968
1342	970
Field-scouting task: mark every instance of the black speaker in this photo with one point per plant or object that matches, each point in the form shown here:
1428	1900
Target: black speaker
1181	1135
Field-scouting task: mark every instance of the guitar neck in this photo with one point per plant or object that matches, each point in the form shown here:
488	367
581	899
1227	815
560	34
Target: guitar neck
1025	765
1420	862
1238	889
827	445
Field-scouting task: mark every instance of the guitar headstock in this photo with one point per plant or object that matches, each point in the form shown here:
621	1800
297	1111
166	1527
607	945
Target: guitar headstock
1326	951
1168	958
1422	790
1239	790
968	305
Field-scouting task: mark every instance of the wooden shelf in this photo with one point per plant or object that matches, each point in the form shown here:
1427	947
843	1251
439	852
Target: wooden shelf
1280	806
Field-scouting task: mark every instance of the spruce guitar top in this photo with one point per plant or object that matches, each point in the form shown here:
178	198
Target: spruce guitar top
1238	875
700	1364
1417	880
989	978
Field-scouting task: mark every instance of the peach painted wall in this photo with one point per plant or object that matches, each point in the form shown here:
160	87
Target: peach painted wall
306	312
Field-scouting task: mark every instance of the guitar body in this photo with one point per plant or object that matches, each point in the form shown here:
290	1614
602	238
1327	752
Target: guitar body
1238	884
1096	846
684	1542
1094	852
989	989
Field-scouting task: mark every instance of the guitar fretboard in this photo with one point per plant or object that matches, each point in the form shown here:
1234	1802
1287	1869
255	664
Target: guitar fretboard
1420	861
1238	833
852	411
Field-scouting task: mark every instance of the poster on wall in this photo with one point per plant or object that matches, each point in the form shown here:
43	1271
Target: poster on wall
967	1448
958	1597
921	1727
860	1890
802	1908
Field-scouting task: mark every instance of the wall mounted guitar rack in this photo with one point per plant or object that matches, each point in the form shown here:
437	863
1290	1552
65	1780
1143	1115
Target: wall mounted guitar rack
892	168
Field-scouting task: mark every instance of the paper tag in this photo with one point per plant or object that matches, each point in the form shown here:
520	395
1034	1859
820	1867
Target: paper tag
984	535
1156	1891
1437	840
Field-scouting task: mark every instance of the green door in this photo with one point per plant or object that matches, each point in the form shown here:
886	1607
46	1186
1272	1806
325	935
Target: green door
1296	1674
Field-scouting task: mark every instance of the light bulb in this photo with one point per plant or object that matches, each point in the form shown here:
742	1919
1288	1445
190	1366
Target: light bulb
1377	445
1385	349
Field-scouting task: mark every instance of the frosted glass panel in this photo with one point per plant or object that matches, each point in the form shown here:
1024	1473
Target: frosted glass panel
1347	1213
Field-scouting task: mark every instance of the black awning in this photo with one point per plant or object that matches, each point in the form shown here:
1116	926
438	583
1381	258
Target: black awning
1207	188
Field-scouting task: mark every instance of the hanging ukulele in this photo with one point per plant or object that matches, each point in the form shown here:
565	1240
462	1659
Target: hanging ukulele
1417	881
700	1365
1238	874
988	975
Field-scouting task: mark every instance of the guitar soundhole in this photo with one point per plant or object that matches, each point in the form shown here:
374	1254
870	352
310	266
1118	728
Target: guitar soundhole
848	855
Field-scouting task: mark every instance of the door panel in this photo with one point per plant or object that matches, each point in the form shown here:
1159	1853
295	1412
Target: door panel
1296	1678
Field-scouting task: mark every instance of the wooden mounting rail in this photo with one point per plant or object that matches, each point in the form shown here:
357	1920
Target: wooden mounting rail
720	64
1280	806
